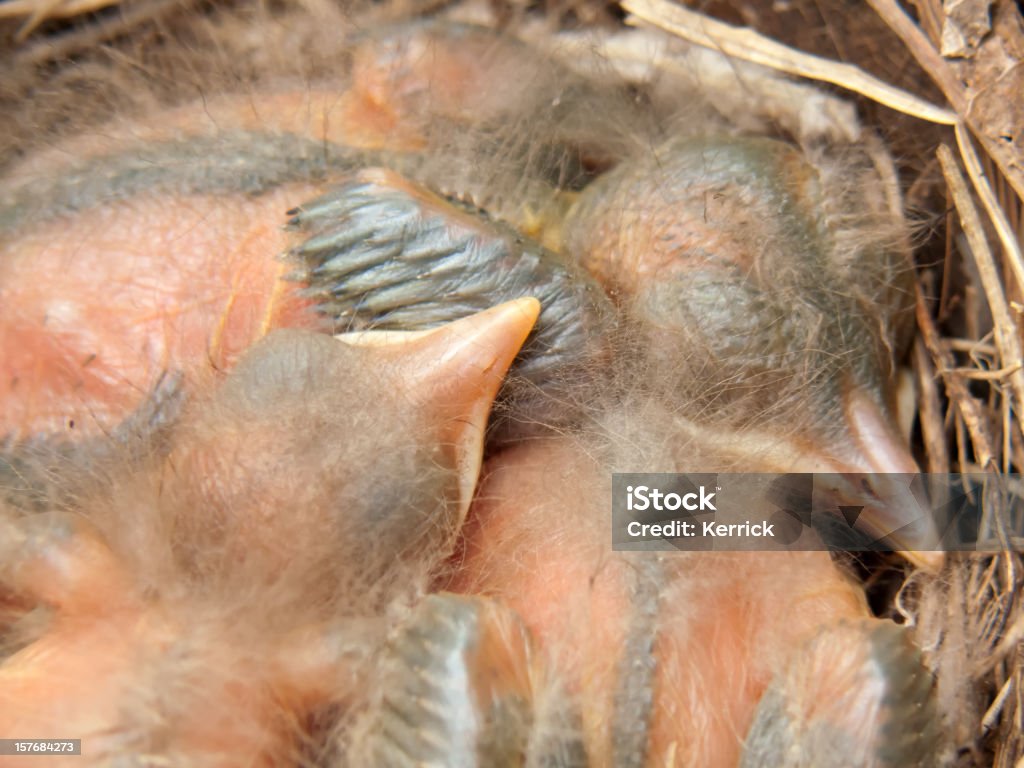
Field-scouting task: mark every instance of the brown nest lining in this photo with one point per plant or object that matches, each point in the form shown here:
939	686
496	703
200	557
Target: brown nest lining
956	122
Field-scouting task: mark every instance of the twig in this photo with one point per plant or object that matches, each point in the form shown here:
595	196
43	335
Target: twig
58	9
55	48
44	10
970	409
981	375
931	412
971	347
1005	329
996	213
988	722
750	46
922	50
933	63
930	16
1006	645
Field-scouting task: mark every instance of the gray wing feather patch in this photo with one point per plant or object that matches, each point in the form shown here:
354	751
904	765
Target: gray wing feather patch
383	254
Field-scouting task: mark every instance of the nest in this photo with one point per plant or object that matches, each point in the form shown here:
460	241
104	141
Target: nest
943	82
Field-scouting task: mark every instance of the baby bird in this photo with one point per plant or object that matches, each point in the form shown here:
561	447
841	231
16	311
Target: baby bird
151	244
780	278
203	600
688	658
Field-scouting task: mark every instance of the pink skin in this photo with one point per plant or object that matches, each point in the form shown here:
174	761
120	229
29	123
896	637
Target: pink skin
547	558
127	641
85	675
97	306
81	676
538	540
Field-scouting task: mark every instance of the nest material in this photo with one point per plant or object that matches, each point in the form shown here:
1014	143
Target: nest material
944	82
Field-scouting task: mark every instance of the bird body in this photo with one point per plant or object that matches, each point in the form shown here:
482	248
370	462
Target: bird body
205	595
299	563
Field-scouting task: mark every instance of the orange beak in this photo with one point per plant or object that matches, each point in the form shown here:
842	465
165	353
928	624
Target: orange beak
454	374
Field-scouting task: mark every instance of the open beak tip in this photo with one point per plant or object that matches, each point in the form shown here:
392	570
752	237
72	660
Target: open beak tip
514	320
482	346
